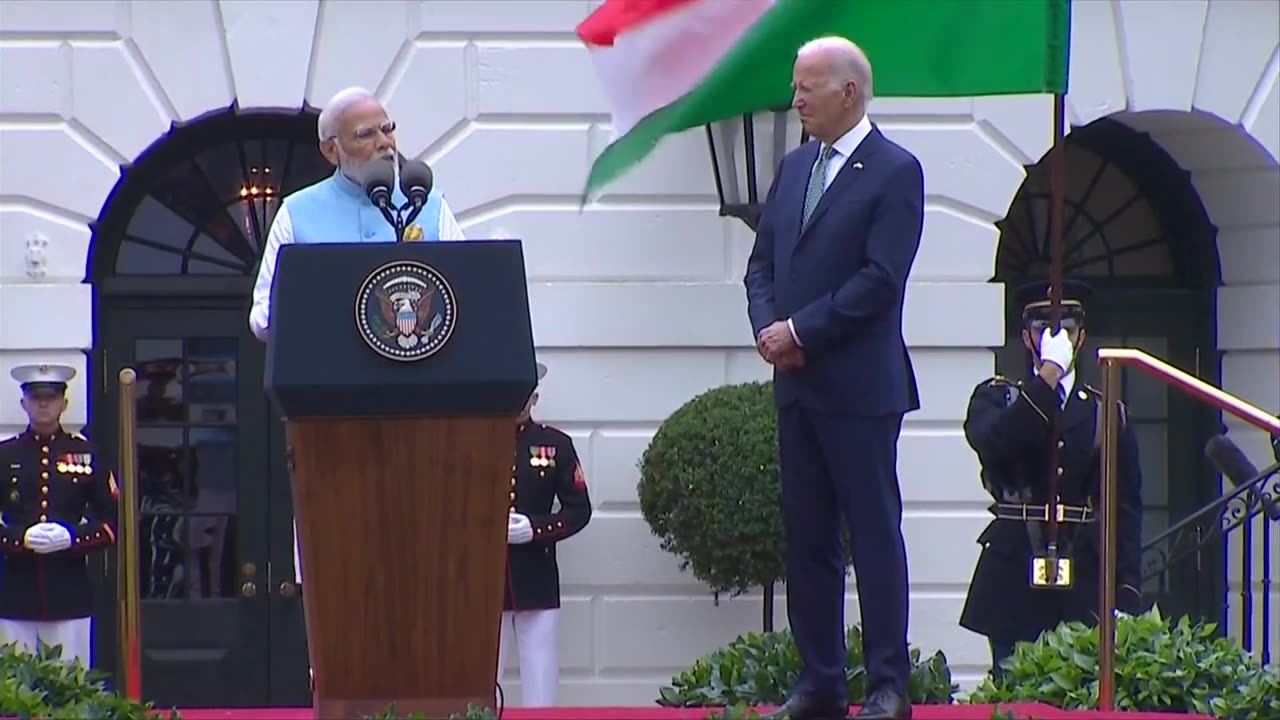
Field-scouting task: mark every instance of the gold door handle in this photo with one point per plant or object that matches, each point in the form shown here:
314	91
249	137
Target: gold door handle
248	590
288	589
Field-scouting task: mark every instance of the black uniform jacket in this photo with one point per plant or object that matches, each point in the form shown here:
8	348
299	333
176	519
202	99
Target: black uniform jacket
546	468
52	479
1008	425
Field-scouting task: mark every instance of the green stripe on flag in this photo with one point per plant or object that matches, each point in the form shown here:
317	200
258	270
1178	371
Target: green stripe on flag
917	48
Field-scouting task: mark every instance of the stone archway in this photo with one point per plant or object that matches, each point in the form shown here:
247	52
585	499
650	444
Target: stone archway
1214	108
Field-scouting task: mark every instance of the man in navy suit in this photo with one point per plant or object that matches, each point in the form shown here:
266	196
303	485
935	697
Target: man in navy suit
825	283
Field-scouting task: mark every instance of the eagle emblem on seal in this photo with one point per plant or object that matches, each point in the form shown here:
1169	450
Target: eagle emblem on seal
405	310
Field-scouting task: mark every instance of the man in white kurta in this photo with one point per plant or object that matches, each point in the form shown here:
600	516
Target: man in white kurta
354	129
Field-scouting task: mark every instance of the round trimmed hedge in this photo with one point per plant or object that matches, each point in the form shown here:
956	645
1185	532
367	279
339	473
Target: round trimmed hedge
709	488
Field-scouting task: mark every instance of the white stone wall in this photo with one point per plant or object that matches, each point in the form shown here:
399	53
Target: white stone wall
637	302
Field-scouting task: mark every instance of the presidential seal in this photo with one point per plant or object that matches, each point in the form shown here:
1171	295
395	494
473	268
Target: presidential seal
406	311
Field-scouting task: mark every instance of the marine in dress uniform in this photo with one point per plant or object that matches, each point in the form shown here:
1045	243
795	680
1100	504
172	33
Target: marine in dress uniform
1025	432
546	469
58	505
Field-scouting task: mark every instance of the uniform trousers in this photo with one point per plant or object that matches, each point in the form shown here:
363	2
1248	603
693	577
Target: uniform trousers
536	634
75	636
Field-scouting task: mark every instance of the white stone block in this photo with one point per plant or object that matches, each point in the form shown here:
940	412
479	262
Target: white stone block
191	66
36	77
114	100
274	78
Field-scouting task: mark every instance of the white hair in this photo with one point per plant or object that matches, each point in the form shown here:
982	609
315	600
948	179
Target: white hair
848	61
331	115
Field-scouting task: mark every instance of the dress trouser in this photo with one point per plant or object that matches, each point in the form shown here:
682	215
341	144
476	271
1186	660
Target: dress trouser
839	470
536	634
75	636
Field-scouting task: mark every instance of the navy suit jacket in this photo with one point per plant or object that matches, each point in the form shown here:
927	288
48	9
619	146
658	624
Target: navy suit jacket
842	278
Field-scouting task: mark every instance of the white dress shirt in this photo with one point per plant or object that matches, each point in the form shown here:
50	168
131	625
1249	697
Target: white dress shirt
844	147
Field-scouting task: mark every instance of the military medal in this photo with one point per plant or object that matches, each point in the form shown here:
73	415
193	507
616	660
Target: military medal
542	456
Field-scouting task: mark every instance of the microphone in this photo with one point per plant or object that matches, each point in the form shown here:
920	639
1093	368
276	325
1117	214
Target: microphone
1231	461
380	176
415	182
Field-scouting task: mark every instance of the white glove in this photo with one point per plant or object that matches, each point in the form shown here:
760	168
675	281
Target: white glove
1057	348
45	538
519	529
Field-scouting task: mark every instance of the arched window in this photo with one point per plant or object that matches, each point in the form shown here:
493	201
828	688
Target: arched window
199	202
1130	214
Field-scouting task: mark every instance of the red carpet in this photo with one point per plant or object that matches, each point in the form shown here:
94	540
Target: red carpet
920	712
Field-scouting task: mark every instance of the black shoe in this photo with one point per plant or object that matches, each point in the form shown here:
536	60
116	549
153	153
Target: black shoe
885	704
807	707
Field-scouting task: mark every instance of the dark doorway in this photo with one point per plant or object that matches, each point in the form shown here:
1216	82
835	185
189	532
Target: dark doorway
173	259
1135	230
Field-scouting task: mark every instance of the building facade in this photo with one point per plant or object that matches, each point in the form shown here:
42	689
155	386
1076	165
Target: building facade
143	146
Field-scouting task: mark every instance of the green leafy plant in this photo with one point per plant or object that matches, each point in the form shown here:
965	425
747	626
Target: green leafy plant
1160	666
760	668
43	685
473	712
710	491
741	711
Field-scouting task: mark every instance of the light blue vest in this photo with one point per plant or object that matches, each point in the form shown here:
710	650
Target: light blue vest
336	210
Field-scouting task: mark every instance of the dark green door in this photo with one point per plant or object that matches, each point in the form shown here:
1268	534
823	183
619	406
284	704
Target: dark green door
203	476
290	685
1171	430
221	614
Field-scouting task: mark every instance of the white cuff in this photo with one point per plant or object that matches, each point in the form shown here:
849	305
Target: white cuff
792	327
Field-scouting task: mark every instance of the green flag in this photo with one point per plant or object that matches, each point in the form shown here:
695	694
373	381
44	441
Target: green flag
666	66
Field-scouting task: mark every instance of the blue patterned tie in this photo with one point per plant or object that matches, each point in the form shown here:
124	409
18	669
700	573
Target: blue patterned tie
817	183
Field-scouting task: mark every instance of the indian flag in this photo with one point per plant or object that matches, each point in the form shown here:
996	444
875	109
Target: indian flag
666	66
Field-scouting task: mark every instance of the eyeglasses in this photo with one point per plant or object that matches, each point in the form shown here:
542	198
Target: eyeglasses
365	134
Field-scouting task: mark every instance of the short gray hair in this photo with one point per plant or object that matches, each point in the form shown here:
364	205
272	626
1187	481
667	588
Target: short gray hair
331	115
849	62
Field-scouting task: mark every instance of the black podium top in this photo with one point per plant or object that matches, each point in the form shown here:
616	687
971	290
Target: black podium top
432	329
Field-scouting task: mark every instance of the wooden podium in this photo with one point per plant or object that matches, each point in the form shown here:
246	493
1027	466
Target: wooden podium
400	370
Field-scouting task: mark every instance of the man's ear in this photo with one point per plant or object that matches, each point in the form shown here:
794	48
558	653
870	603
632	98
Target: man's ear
1027	341
1081	337
329	148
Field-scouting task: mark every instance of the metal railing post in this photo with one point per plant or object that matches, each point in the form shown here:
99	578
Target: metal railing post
1107	582
1111	360
129	665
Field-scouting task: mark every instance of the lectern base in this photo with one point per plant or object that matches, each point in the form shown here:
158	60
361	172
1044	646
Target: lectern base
433	708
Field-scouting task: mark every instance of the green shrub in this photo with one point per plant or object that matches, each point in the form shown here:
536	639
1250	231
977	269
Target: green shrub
759	669
741	711
42	685
710	490
1160	666
474	712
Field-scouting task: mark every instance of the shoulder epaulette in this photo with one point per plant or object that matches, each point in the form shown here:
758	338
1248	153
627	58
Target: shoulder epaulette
1093	390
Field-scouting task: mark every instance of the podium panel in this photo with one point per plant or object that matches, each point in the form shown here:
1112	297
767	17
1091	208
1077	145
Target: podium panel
400	370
